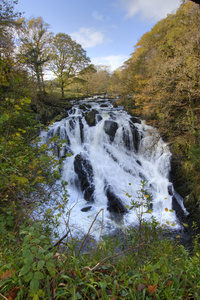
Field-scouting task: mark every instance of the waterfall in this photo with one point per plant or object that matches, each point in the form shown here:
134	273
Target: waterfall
111	153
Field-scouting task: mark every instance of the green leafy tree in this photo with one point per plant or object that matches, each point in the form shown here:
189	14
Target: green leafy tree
8	20
34	51
69	59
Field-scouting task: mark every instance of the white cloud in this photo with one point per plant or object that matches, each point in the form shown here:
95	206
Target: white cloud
150	9
114	61
97	16
88	37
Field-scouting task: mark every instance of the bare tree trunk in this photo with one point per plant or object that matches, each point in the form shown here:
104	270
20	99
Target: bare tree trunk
62	89
39	82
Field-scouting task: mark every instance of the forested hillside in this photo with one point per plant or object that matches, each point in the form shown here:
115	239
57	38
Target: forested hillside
161	83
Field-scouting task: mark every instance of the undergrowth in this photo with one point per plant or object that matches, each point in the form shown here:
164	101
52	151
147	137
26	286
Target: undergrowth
31	268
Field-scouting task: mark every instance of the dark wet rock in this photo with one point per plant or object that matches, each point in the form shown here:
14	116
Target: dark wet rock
178	209
91	117
72	111
131	139
135	120
72	124
85	175
82	107
110	128
136	137
98	118
81	129
170	189
88	106
87	208
104	105
126	138
114	203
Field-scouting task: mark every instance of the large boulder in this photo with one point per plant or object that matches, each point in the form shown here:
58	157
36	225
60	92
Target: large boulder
90	117
114	203
85	175
110	128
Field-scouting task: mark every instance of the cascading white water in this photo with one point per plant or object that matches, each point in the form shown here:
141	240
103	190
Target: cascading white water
111	153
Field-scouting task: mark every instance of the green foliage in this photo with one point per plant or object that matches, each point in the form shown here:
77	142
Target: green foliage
163	269
35	47
140	264
21	165
69	59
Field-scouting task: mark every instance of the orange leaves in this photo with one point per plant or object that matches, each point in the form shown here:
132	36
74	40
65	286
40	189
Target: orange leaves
7	274
152	289
12	294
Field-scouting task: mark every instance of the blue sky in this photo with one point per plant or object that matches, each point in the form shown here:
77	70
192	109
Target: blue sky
106	29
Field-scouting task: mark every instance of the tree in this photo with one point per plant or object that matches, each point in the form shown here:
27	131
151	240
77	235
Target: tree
8	20
163	84
69	59
34	50
83	83
101	80
163	73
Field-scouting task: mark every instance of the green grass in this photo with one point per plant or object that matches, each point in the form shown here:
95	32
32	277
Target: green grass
112	269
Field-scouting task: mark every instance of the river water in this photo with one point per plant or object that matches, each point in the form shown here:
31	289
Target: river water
112	157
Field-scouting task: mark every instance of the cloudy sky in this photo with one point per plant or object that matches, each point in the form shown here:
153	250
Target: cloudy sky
106	29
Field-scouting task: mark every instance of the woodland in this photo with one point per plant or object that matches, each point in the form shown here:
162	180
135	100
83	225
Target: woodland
160	83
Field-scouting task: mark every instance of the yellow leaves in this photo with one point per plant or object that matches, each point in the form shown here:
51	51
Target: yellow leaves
166	209
17	107
17	134
127	194
22	130
20	179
